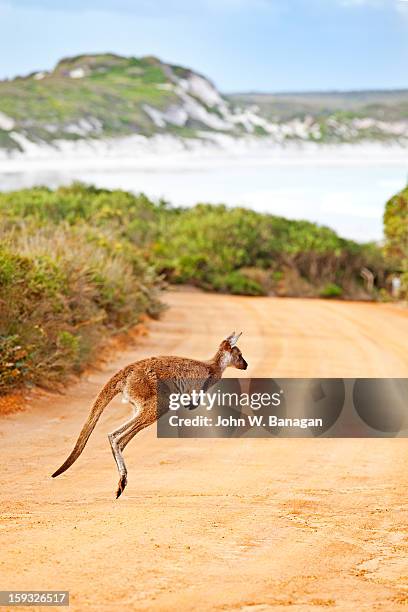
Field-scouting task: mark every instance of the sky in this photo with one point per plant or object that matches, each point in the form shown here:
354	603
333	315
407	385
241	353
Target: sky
241	45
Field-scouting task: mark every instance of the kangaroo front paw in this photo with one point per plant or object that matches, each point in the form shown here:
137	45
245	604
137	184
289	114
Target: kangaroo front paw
121	486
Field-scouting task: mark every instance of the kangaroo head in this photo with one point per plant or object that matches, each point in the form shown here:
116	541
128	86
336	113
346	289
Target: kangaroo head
230	355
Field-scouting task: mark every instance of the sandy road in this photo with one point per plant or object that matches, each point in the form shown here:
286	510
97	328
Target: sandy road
239	524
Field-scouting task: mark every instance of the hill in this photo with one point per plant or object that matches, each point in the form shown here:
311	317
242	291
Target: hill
348	116
105	96
95	96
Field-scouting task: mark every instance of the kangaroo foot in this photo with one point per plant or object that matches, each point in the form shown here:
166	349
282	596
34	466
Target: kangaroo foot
121	485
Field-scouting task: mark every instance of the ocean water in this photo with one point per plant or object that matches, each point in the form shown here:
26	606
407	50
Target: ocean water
343	188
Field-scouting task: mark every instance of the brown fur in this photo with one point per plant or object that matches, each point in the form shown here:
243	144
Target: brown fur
138	382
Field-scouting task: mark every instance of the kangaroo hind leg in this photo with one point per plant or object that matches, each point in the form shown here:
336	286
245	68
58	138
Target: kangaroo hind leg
121	436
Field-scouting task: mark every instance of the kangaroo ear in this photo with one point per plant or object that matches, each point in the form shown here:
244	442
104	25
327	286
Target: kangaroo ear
233	339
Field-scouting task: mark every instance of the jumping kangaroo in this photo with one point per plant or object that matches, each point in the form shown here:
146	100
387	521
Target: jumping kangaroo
138	384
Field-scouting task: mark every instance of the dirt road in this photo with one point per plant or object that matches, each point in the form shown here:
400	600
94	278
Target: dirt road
242	524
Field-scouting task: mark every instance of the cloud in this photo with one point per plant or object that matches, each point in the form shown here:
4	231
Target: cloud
402	7
141	7
146	6
397	6
372	3
403	11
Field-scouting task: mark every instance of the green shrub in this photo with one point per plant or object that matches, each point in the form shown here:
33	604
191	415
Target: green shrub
14	362
396	225
56	311
79	263
396	234
237	283
331	290
264	278
194	245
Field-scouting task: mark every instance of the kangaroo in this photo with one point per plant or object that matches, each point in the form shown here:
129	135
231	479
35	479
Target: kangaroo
138	384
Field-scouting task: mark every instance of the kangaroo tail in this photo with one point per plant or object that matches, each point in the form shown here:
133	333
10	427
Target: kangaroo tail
112	388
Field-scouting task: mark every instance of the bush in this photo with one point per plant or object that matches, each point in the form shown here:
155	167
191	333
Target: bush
396	225
396	234
198	243
331	291
56	311
78	264
202	243
264	278
237	283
